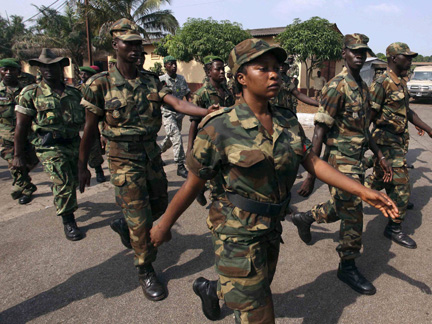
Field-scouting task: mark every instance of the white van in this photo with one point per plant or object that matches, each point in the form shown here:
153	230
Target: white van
420	84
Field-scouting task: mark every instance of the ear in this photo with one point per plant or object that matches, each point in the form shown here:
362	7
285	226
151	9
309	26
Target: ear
343	53
114	43
241	78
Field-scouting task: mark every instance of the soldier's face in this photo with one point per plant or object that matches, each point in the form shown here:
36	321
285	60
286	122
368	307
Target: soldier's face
217	72
354	58
84	76
51	72
171	67
403	62
262	78
128	51
284	68
9	74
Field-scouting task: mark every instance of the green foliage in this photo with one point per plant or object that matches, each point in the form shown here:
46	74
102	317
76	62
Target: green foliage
381	56
157	68
312	42
421	58
10	30
201	37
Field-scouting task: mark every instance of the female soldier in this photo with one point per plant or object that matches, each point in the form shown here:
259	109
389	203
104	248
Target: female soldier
255	149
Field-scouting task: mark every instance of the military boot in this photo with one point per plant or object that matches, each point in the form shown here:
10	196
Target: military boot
71	230
120	226
100	177
151	286
206	290
303	221
27	194
410	205
181	170
349	274
393	231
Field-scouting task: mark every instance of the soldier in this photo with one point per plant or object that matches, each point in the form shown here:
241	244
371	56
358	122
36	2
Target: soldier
57	116
212	92
129	104
172	120
343	119
254	150
98	150
111	63
390	115
10	87
319	83
231	82
293	73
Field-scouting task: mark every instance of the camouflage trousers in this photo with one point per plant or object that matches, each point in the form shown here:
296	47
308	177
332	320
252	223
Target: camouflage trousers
172	122
348	209
141	190
61	163
96	152
246	270
22	184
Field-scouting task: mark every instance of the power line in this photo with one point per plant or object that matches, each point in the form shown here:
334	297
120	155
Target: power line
41	12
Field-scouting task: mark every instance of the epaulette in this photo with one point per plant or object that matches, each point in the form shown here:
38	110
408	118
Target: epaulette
97	76
209	117
29	87
286	111
381	79
333	83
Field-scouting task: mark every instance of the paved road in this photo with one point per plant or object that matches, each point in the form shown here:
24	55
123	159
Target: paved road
47	279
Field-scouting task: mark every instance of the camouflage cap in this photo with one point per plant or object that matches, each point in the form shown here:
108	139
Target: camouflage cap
169	58
357	41
125	30
87	69
399	48
250	49
9	63
210	58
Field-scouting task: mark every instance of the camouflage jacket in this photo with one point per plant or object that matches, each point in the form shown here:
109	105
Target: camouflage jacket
231	85
284	97
127	107
26	79
207	95
178	86
390	99
7	111
293	70
344	108
62	115
234	148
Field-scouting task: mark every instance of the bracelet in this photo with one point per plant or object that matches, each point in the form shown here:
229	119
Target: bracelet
382	158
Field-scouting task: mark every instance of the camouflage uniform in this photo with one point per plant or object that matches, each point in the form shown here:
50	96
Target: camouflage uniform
131	120
344	108
22	184
292	72
235	150
26	79
285	97
56	122
173	120
390	99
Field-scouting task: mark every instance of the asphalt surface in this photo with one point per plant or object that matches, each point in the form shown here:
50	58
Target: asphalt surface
46	279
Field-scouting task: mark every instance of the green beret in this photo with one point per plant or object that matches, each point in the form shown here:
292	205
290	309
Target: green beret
210	58
87	69
169	58
8	62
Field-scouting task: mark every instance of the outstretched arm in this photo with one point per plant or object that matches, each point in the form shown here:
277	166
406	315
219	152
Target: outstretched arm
415	119
188	108
323	171
184	197
302	97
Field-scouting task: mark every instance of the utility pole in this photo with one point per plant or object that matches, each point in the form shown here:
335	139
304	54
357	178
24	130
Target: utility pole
89	51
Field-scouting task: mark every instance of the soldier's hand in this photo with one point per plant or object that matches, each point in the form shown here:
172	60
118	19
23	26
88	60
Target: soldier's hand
103	141
18	163
213	108
419	131
380	201
159	235
307	186
84	177
388	171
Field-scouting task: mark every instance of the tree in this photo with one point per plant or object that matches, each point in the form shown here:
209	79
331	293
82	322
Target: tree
157	68
152	22
10	30
201	37
381	56
313	42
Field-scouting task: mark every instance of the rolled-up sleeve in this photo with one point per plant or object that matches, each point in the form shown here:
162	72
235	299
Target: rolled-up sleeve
93	99
25	104
377	96
330	101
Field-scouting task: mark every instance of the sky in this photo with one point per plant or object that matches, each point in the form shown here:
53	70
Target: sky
384	22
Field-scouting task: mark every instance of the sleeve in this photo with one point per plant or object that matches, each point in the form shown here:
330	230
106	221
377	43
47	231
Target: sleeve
197	101
204	160
377	96
307	144
93	98
25	104
331	100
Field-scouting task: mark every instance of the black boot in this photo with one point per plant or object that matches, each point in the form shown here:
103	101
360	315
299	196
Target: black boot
410	205
181	170
394	232
303	221
119	226
24	199
349	274
152	287
71	230
206	291
100	177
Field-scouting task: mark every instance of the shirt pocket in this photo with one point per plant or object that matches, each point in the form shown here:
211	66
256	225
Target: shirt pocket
6	107
74	112
233	260
49	112
354	114
116	111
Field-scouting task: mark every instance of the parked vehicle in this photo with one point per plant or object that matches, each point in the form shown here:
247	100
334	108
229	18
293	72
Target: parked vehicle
420	84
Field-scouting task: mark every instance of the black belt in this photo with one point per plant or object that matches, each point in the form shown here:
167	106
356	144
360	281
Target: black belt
257	207
129	138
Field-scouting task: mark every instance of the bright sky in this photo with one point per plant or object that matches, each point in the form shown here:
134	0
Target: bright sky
383	22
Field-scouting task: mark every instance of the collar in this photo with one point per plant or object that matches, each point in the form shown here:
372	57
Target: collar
350	79
118	79
393	76
2	86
